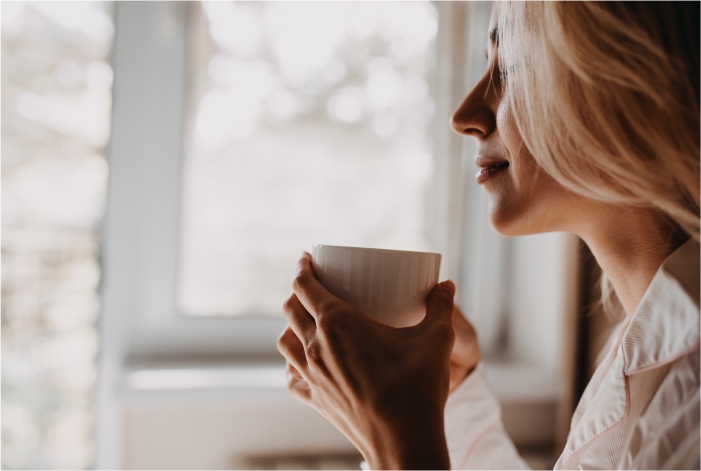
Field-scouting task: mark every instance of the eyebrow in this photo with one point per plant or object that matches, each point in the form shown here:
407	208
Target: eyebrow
494	35
493	39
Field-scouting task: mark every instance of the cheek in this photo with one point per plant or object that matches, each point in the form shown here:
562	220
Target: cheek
509	201
528	200
523	168
506	124
531	202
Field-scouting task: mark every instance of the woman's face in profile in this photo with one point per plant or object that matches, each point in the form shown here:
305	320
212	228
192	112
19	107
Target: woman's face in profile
523	199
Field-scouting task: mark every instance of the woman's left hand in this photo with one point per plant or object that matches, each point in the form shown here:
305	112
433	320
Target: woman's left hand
384	388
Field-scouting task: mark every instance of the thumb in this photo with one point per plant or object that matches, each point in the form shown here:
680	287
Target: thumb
439	305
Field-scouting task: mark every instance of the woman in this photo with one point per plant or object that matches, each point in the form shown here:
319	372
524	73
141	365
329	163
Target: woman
587	121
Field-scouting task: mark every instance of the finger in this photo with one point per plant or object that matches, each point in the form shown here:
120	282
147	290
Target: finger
300	389
292	371
299	319
313	296
297	385
466	349
292	349
462	326
439	305
458	373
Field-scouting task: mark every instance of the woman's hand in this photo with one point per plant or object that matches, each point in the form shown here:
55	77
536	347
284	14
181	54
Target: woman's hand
384	388
466	352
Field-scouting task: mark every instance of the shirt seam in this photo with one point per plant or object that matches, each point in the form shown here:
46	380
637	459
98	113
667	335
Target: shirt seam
598	435
479	438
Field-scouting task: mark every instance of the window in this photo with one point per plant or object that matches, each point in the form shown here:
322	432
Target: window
306	123
200	206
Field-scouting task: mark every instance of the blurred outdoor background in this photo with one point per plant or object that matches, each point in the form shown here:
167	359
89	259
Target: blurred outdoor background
164	165
56	99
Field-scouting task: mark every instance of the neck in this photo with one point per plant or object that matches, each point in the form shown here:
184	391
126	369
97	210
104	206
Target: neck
630	244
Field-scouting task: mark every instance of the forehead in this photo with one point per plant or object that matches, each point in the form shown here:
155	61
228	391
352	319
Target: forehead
492	26
493	17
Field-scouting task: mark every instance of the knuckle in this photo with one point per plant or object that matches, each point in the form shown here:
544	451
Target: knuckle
312	351
294	391
330	305
287	306
300	282
290	308
448	334
327	322
281	345
443	298
443	333
298	390
283	340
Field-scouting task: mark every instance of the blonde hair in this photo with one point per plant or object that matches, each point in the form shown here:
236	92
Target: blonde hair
606	98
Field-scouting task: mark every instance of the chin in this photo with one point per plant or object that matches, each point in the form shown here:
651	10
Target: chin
510	228
502	217
514	221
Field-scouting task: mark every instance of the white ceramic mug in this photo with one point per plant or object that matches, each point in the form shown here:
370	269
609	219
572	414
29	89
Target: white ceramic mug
391	286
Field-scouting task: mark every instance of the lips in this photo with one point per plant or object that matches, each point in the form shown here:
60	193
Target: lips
489	168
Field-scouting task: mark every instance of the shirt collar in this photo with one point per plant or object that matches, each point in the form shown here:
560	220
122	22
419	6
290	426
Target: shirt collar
665	326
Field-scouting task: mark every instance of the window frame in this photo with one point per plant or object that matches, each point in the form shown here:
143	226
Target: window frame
140	253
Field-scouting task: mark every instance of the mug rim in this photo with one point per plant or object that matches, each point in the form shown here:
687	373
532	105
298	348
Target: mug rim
316	246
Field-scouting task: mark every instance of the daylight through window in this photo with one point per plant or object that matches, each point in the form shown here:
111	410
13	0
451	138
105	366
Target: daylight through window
308	124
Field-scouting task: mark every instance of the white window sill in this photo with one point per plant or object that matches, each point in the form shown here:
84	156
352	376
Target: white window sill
510	382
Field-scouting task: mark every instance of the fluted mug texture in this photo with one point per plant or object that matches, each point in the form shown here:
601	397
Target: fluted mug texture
390	286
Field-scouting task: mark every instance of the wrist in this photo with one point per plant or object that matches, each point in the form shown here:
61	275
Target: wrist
425	456
418	448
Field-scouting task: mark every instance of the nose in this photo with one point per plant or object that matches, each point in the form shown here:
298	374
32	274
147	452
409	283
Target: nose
476	116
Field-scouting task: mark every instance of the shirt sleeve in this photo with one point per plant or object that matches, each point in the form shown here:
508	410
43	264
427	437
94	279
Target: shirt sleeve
474	429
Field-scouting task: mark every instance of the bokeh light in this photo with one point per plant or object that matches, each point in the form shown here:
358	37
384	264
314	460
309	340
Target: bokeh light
56	99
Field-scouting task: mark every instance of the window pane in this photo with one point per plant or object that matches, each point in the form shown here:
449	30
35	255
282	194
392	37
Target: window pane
308	124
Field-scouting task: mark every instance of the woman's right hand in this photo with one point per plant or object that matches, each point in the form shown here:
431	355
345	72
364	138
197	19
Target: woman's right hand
385	388
466	352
